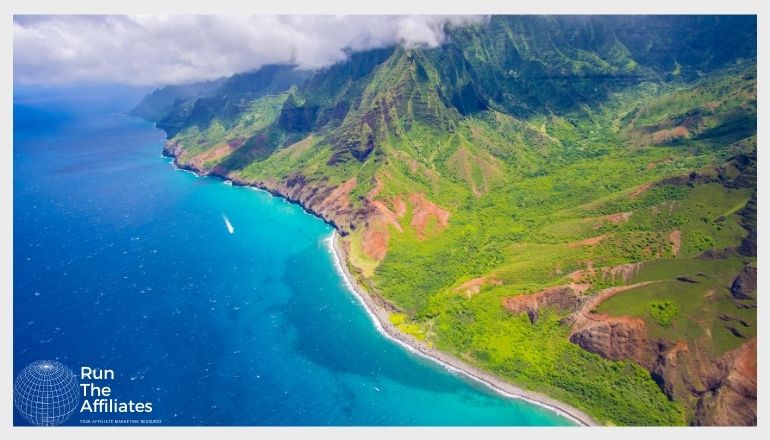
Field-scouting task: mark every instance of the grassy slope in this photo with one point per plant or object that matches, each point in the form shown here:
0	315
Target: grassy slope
522	192
521	232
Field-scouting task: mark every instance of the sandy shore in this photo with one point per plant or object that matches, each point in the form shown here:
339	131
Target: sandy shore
379	314
380	317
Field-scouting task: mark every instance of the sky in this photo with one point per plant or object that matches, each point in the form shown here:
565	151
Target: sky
162	50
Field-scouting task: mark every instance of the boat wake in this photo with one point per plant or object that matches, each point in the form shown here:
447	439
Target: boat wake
229	225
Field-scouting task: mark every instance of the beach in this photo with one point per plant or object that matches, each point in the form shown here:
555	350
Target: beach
380	317
379	312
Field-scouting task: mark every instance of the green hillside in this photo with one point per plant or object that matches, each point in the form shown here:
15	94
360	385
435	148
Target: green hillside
526	153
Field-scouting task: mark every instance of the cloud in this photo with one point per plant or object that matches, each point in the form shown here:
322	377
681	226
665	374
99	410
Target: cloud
155	50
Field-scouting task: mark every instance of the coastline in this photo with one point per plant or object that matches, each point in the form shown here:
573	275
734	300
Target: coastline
379	316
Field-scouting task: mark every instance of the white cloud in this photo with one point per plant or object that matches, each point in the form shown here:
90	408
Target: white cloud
153	50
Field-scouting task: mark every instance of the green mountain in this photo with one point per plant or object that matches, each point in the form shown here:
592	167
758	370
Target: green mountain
566	202
162	101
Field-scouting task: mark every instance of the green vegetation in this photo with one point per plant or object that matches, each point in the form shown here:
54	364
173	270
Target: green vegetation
541	357
663	312
702	313
564	150
401	322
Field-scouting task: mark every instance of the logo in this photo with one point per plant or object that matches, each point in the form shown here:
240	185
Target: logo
46	393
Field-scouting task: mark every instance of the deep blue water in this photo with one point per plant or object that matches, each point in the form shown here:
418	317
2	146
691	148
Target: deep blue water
122	262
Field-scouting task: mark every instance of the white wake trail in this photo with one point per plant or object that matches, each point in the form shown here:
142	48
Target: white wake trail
229	225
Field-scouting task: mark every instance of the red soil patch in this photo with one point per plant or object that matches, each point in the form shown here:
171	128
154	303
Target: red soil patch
376	190
422	210
236	143
568	297
473	286
611	291
619	217
593	241
670	134
579	275
653	165
400	206
387	216
624	272
676	241
584	314
217	153
375	241
613	337
376	235
641	189
591	319
339	198
746	363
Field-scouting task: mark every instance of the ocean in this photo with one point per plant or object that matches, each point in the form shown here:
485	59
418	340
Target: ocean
217	304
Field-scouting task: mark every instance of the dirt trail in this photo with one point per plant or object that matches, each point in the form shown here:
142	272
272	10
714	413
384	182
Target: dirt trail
583	315
676	241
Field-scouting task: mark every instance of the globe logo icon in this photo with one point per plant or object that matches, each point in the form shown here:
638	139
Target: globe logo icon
46	393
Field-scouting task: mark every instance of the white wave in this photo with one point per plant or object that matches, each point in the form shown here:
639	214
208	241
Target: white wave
229	225
451	368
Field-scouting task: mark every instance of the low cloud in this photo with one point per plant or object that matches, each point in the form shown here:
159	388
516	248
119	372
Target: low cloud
155	50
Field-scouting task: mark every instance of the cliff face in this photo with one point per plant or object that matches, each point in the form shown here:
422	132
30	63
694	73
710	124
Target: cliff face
745	283
566	298
718	391
617	338
731	397
329	202
723	391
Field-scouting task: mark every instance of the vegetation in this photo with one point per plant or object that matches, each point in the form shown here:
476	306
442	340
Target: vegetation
702	313
562	149
663	312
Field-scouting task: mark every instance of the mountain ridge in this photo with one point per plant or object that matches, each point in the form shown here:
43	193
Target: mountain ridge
475	162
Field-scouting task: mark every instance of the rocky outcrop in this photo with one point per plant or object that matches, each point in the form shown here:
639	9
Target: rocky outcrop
745	283
380	218
687	279
613	274
472	287
422	210
173	149
731	397
328	201
377	234
616	338
722	391
749	221
569	298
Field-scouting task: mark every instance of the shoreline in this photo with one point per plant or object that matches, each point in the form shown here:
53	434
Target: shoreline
379	316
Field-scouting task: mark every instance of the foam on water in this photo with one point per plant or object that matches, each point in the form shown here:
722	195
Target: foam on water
228	225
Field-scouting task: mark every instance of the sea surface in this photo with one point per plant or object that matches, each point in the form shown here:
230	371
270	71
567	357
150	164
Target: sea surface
220	305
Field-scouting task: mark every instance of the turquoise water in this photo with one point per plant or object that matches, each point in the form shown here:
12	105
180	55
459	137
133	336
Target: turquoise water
123	262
